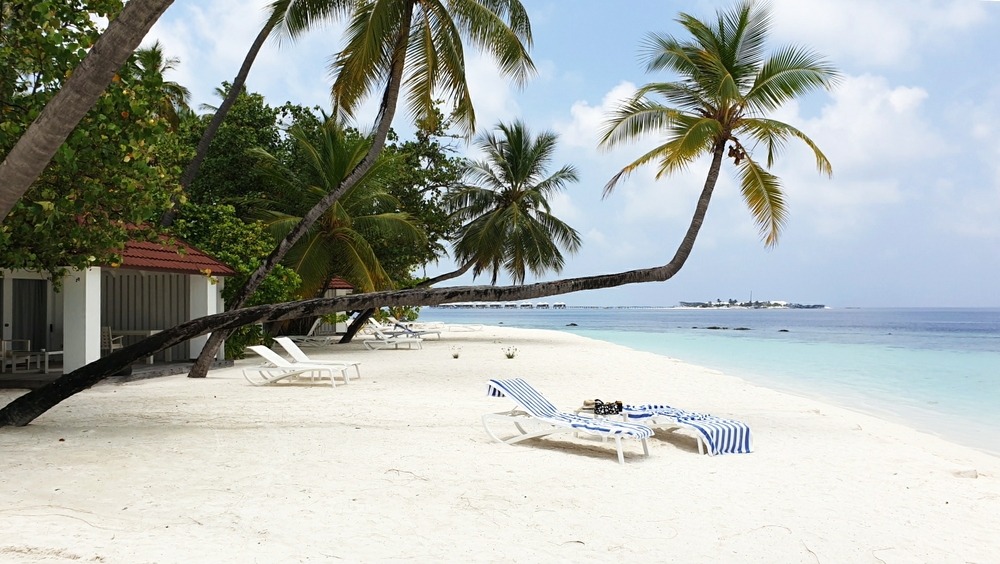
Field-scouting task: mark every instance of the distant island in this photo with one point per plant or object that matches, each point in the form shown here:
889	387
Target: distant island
733	304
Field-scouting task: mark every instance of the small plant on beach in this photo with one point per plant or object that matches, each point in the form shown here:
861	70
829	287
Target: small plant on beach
455	351
509	352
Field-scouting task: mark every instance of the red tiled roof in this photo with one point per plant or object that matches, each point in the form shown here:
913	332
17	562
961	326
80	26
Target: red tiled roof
142	255
339	284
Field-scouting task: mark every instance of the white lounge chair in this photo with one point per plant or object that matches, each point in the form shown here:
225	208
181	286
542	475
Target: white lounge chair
434	325
417	325
399	330
715	435
313	370
311	339
298	356
383	341
538	417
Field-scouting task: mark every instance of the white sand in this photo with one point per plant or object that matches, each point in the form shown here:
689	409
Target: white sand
396	466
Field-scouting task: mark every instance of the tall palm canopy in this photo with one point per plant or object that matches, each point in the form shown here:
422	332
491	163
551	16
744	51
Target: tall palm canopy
430	33
336	244
506	220
151	64
726	85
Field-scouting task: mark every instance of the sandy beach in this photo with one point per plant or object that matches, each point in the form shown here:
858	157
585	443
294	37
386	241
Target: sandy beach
396	466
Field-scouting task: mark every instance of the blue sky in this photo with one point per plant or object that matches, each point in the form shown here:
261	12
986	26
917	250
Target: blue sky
911	217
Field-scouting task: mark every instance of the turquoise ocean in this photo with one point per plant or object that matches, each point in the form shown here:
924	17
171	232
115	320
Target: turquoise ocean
937	370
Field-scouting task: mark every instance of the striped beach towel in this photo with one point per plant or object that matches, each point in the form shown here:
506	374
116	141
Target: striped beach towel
722	436
537	406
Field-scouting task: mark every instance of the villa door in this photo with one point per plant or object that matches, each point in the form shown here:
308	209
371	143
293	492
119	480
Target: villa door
29	318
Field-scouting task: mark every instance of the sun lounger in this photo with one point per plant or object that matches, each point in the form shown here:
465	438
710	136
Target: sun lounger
310	339
434	325
298	356
399	330
715	434
404	331
263	375
314	370
383	341
417	325
538	417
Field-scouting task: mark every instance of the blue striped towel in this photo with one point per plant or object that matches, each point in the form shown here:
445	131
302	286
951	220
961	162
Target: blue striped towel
538	407
723	436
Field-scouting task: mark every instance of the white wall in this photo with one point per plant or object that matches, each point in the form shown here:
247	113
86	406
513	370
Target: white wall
206	299
81	318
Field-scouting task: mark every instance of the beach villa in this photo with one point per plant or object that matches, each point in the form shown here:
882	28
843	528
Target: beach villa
104	308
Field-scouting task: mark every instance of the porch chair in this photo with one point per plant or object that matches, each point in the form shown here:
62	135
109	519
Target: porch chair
109	343
15	351
537	417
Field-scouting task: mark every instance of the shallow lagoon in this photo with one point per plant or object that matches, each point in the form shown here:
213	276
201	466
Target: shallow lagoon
935	369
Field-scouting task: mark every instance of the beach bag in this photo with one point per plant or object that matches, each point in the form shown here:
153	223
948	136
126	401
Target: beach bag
610	408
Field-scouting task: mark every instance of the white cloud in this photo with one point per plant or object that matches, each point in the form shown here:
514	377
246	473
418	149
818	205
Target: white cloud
492	93
883	33
588	121
871	122
878	139
212	39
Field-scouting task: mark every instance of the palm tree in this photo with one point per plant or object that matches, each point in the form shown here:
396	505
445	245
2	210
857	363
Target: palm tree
406	45
335	245
218	116
507	223
35	148
725	88
150	65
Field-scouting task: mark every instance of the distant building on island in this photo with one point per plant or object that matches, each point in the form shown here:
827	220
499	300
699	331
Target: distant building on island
733	304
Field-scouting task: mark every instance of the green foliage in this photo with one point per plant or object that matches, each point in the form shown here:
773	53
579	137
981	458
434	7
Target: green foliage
435	60
246	336
113	176
217	231
726	86
419	174
335	245
228	174
401	313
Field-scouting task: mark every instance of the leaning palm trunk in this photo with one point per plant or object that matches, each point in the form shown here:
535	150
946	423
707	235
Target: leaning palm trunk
60	116
448	275
26	408
387	110
356	325
213	126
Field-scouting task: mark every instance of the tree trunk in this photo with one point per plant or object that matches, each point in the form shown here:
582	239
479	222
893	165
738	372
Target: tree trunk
387	110
447	276
26	408
356	325
213	126
60	116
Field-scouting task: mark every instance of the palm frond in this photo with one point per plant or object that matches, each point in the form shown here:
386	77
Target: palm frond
291	18
790	72
635	119
763	194
775	133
